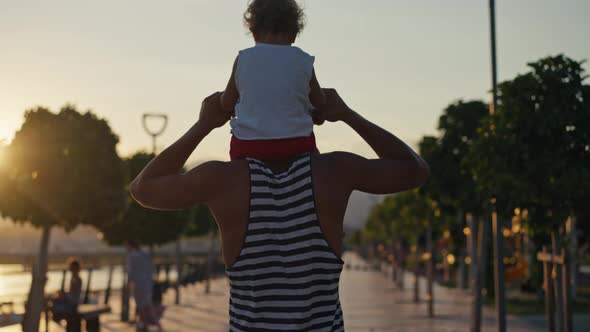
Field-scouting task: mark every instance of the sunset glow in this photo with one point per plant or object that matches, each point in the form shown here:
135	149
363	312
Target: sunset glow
6	134
230	161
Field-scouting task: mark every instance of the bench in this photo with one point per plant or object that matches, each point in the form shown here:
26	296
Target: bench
87	312
91	314
7	314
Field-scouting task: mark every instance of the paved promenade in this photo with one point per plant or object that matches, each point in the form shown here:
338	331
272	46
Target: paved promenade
369	300
371	303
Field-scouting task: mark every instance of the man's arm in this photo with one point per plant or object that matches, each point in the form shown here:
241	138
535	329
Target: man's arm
161	185
398	168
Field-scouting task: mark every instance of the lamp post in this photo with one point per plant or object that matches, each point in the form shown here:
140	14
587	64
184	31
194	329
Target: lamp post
154	133
497	225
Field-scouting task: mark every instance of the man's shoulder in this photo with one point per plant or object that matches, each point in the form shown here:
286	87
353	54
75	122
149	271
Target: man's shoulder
337	163
231	167
222	165
222	169
336	157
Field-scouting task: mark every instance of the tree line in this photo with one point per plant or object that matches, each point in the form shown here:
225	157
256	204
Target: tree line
62	170
528	160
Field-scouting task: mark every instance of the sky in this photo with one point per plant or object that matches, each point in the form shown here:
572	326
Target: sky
397	62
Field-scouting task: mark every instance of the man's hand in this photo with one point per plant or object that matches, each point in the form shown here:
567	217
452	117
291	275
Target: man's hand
335	109
212	114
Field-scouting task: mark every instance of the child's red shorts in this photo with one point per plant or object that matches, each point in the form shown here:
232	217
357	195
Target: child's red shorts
275	149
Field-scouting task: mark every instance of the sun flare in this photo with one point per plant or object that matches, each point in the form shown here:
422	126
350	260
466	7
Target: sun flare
6	134
2	159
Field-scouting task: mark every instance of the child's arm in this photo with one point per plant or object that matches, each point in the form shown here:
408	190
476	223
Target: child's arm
230	96
316	94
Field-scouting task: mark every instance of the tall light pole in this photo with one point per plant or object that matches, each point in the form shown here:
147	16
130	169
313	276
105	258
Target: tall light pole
154	134
157	132
497	225
494	63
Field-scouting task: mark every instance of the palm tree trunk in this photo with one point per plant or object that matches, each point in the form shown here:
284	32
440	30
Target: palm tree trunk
482	256
472	245
210	258
559	322
430	269
416	266
573	251
36	298
178	272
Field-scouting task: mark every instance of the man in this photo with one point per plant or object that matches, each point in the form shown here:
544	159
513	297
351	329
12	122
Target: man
140	275
281	221
65	304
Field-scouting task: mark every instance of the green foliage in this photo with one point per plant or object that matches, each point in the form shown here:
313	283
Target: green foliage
145	226
380	221
62	170
535	151
449	190
446	206
402	215
451	185
458	129
431	150
201	222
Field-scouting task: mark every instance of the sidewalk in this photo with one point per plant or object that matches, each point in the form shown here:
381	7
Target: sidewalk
370	303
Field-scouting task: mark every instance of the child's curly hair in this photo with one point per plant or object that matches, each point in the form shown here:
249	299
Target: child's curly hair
274	16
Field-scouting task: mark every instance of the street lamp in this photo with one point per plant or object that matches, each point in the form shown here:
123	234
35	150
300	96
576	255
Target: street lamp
497	229
163	118
496	224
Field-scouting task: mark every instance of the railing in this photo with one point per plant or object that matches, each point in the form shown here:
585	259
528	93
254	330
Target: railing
193	269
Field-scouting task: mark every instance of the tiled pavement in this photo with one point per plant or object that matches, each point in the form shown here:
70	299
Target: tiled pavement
369	300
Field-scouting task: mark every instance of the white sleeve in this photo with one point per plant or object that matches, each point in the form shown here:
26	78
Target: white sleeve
308	61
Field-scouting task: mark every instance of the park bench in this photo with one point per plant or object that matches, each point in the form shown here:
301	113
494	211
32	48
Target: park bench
90	313
7	314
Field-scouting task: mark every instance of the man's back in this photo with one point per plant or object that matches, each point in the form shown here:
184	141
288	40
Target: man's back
286	275
330	200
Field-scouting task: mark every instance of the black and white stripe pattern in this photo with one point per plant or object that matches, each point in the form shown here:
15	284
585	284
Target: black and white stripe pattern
286	276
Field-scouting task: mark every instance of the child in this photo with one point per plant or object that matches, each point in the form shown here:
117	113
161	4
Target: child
272	87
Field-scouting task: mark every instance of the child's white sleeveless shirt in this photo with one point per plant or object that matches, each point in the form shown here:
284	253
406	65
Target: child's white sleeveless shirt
273	83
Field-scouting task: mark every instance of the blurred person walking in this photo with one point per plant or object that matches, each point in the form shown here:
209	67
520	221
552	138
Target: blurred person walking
140	278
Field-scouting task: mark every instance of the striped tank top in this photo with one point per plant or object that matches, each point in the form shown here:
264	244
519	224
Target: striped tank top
286	276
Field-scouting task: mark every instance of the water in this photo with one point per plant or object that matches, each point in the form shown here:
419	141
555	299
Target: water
15	282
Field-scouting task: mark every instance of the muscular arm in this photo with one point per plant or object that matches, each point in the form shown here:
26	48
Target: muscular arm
398	167
161	185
